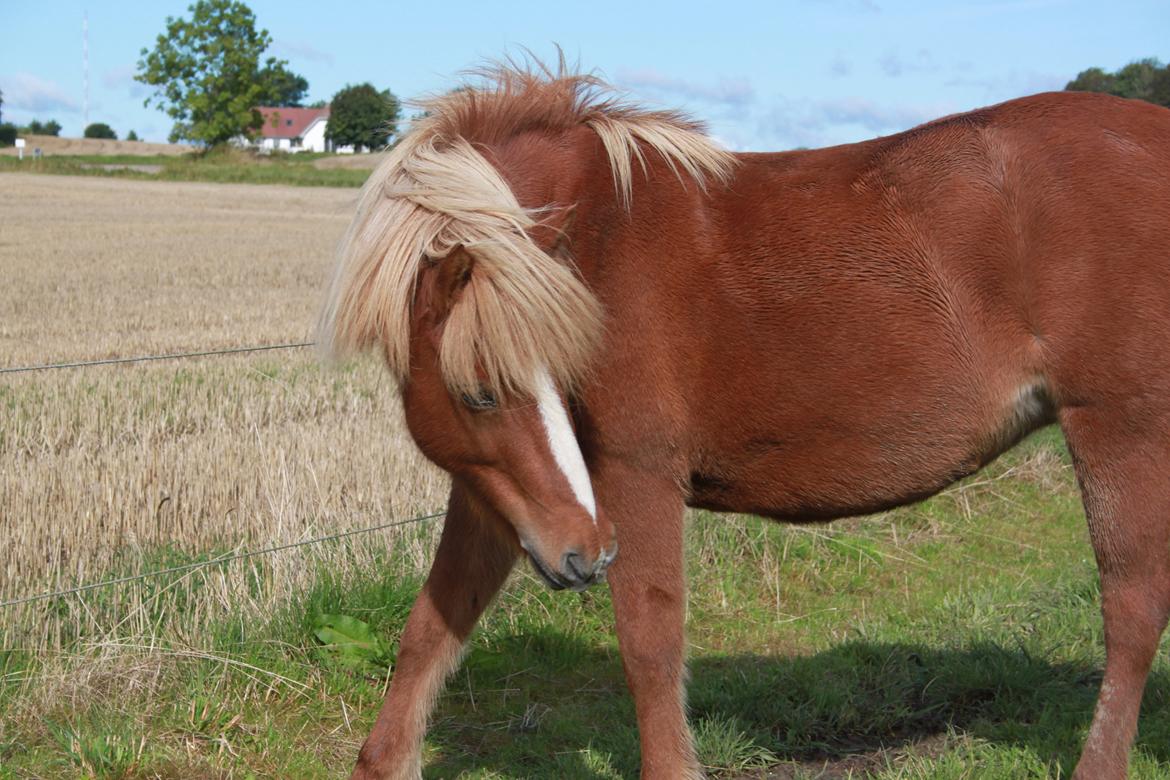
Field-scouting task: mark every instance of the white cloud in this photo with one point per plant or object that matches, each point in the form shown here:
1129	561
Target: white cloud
27	92
729	92
122	78
814	123
840	67
871	116
1012	84
894	64
866	6
1004	9
303	50
728	142
123	75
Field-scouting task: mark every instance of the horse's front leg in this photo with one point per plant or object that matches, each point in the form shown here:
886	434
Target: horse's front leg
475	554
649	602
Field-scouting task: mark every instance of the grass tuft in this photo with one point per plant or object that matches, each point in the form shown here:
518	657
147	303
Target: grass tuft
723	745
100	751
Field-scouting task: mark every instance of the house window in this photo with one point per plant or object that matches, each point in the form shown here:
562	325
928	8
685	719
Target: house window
288	122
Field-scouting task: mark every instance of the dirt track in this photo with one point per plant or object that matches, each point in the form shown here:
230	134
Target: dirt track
360	162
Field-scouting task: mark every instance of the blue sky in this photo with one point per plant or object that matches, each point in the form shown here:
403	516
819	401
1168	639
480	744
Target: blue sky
762	75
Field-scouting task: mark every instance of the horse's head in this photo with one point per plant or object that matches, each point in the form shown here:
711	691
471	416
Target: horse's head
477	308
513	449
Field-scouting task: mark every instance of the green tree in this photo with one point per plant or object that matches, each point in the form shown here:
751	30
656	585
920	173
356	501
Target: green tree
132	136
37	127
207	75
1136	80
360	115
1	106
1146	79
1160	88
282	87
1092	80
100	130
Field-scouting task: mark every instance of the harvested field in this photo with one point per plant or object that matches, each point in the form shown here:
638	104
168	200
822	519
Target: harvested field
98	465
52	145
99	267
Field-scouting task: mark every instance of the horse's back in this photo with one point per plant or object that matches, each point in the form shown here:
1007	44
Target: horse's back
868	323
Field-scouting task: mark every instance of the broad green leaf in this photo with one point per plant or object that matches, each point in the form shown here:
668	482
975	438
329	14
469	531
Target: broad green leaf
349	642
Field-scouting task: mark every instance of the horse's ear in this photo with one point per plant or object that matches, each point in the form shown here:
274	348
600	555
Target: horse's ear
452	273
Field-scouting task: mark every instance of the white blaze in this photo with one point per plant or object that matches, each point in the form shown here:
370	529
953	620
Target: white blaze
563	443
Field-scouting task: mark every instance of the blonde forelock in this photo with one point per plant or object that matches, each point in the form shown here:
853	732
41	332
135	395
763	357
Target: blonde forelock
522	310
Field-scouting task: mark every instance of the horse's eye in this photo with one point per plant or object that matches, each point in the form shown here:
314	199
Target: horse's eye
481	401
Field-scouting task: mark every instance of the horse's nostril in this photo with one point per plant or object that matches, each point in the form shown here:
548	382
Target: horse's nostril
574	565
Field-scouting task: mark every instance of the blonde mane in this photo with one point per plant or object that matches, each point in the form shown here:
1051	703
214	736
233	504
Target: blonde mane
522	310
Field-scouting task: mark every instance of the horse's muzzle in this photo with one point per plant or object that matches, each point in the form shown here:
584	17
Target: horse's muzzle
575	571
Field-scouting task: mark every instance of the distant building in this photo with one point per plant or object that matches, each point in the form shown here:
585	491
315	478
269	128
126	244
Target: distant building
295	130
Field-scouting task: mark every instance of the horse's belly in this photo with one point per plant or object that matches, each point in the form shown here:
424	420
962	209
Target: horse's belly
834	469
773	487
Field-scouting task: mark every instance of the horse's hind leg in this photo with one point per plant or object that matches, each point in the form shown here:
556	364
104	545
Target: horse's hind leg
1122	457
474	557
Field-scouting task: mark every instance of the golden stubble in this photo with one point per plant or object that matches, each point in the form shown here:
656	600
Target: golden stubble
101	467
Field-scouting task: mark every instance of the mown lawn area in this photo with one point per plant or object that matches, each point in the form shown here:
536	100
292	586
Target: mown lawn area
228	166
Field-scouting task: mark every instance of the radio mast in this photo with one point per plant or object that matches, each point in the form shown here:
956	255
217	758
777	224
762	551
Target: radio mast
85	69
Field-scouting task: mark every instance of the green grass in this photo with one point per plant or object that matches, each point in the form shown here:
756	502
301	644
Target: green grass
232	166
958	638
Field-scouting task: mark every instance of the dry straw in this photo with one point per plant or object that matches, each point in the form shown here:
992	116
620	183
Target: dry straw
135	467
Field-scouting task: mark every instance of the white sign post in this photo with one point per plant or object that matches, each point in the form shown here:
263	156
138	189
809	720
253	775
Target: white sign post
20	148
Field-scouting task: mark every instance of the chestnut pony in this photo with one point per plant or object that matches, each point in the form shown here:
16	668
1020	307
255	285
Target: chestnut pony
597	318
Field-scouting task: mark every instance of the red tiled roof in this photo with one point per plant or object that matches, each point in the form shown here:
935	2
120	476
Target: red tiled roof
288	122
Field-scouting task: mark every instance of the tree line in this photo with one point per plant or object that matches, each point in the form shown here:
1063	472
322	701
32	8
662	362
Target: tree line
1146	79
10	132
209	77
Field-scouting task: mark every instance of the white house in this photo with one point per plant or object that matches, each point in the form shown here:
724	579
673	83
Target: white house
294	130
